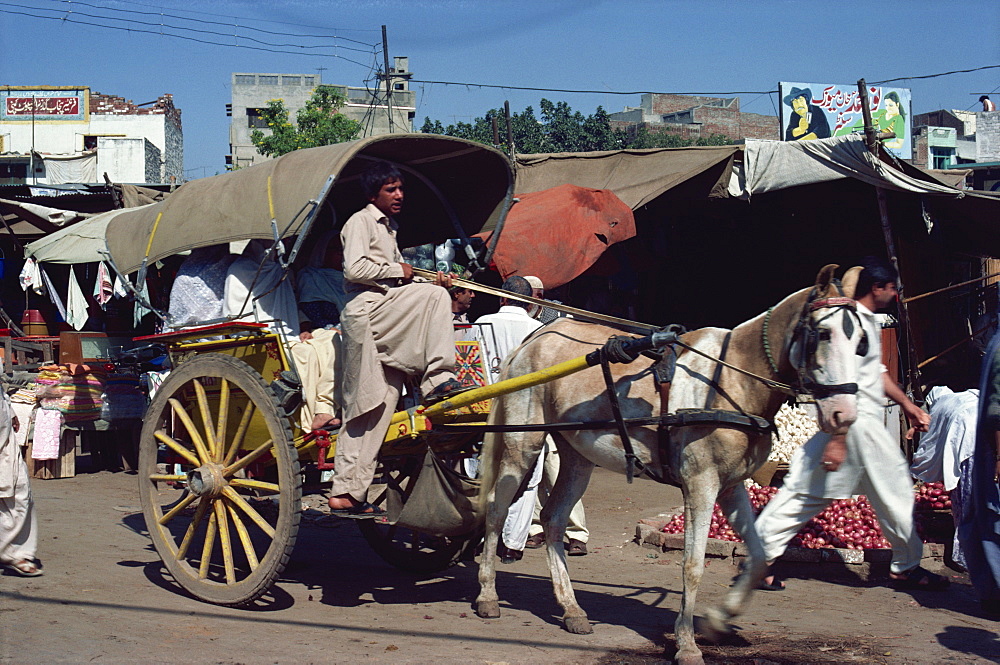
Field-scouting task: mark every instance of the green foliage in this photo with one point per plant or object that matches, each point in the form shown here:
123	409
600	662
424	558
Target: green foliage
317	123
560	129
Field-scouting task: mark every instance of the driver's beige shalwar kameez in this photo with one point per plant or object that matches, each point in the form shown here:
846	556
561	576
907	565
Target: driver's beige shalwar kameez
390	331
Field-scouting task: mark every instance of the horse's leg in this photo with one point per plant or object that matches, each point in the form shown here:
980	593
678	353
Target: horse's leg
700	492
519	452
574	475
735	504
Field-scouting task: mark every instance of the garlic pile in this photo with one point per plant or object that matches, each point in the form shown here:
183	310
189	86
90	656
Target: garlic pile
796	425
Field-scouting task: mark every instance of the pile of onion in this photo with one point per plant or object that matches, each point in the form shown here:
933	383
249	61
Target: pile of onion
932	496
845	523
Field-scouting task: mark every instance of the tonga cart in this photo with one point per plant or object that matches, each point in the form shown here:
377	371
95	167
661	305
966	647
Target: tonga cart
220	457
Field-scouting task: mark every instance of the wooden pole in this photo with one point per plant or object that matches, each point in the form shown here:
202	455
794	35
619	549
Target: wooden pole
510	133
388	82
872	141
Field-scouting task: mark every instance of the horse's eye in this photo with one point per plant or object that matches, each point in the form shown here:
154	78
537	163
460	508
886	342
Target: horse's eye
824	335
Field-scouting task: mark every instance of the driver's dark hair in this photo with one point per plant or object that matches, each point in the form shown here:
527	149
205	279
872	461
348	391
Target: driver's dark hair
520	286
877	272
376	175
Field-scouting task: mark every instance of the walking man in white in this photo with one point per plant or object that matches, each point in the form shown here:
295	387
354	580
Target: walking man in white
866	460
18	524
499	334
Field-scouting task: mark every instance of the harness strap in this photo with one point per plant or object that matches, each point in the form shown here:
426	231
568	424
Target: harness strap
631	461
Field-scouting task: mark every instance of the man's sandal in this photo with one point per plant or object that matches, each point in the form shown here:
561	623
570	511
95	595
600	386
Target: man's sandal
25	567
362	511
919	578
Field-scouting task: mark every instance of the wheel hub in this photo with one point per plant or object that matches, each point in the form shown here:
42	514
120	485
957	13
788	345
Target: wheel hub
207	480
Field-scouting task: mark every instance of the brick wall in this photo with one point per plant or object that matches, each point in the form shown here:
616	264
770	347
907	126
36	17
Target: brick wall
102	104
920	150
660	103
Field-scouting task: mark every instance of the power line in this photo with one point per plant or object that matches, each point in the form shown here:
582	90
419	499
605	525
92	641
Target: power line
187	38
257	20
233	24
162	25
702	94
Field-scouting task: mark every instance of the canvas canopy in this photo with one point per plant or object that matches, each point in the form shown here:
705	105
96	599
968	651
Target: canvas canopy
637	177
31	219
559	233
80	243
447	180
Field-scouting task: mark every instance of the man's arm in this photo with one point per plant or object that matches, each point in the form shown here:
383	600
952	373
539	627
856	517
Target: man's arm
918	418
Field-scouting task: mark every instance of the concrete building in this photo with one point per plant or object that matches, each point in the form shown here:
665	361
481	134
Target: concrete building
252	92
953	139
695	117
67	134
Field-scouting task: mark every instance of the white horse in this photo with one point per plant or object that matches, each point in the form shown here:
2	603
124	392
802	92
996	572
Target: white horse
810	338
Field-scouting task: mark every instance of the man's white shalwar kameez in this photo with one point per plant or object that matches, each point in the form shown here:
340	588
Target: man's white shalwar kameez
875	466
18	524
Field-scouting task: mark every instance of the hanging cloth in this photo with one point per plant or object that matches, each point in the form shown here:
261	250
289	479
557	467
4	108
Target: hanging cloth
141	310
31	277
53	294
103	288
119	290
76	303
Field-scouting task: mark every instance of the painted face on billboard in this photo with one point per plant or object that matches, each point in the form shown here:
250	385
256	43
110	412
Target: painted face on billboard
800	105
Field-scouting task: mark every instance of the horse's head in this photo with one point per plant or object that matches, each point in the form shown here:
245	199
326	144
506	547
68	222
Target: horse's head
824	348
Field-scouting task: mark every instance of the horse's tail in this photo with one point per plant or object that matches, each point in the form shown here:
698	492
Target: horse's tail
489	459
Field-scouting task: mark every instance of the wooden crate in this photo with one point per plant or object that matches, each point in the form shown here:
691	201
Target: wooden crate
63	466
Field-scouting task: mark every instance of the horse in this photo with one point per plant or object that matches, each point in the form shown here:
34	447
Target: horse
815	335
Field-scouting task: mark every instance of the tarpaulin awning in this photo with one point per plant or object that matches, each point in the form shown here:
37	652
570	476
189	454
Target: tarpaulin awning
637	177
32	219
558	233
81	243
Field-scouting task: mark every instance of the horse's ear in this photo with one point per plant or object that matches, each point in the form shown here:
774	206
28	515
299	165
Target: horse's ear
850	281
825	276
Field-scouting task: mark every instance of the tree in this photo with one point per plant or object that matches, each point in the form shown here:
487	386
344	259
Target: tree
557	129
318	123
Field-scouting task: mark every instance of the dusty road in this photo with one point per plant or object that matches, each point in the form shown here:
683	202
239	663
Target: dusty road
105	599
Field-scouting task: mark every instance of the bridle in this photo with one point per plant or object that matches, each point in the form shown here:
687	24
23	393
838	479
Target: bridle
808	334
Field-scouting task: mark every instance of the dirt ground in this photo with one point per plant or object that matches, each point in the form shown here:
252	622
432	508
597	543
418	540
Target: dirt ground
105	598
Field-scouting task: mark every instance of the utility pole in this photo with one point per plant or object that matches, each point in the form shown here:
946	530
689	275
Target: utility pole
388	82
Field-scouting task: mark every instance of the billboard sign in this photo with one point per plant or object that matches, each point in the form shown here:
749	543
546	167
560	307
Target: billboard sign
38	104
812	111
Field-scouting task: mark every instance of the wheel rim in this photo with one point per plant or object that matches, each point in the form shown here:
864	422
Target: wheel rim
215	426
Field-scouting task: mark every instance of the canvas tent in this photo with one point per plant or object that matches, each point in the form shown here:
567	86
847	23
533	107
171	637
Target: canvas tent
723	233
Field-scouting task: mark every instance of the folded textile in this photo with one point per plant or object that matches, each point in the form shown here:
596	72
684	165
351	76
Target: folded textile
48	430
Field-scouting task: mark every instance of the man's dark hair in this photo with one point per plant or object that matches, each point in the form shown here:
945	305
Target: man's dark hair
520	286
377	175
877	272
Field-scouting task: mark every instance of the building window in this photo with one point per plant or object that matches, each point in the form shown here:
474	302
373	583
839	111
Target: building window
268	80
255	120
399	86
942	158
309	80
291	80
89	142
245	79
13	173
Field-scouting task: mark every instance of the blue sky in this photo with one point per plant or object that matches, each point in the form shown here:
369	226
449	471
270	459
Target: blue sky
708	46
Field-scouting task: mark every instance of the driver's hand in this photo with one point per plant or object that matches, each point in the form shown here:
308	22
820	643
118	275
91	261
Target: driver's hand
407	272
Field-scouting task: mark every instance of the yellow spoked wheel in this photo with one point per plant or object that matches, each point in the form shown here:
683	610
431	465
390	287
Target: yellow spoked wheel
214	429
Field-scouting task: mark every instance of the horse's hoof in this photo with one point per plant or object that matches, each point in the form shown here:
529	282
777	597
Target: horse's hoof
689	659
488	609
578	625
714	625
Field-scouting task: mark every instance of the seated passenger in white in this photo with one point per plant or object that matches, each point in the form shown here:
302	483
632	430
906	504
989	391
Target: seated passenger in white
257	290
197	292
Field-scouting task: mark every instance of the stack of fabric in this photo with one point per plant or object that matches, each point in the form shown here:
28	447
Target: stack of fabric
48	418
81	387
123	399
